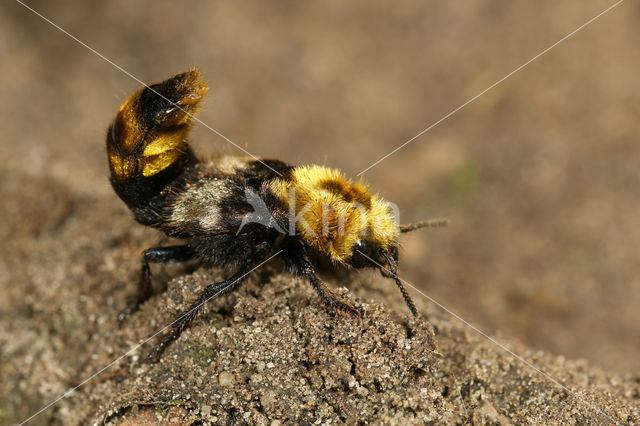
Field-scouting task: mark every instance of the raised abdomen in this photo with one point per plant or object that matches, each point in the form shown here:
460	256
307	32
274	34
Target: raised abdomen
146	143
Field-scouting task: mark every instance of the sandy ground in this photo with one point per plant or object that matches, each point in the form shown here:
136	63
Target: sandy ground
269	352
539	177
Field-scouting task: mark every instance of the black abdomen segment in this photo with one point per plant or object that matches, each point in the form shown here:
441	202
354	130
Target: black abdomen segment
147	196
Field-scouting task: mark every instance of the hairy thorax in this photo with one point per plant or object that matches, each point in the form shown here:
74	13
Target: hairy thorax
333	214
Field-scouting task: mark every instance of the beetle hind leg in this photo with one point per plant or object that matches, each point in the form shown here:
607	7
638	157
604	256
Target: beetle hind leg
171	254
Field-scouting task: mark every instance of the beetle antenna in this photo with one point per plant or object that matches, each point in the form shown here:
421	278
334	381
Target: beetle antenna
433	223
393	270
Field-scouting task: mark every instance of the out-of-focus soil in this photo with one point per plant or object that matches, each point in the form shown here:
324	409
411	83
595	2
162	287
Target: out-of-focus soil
539	178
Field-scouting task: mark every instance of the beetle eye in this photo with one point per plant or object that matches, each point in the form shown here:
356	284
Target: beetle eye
359	244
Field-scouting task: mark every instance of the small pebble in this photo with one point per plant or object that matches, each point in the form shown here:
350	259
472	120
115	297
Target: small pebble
225	378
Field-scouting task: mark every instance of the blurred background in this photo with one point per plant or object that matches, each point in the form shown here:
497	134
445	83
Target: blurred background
540	176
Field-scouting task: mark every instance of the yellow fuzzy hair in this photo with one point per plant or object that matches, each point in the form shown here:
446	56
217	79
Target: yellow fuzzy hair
164	145
350	211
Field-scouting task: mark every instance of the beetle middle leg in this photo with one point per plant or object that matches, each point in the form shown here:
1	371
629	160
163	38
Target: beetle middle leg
184	320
